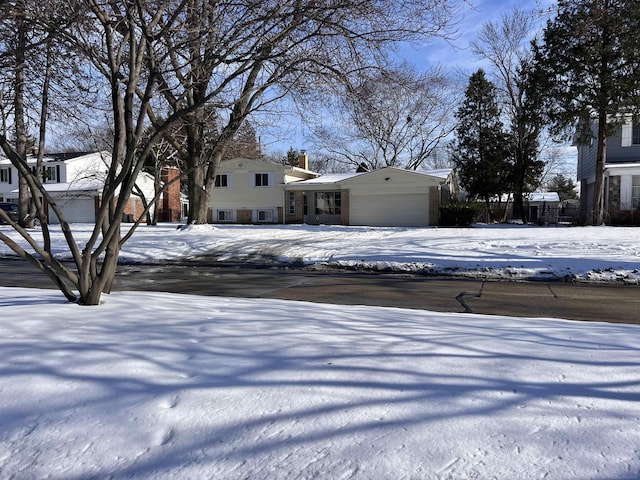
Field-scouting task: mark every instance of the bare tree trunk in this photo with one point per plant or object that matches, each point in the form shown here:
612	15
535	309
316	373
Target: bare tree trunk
198	195
19	113
42	131
198	167
598	197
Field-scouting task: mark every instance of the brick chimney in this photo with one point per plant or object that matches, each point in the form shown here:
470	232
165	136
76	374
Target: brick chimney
171	206
303	160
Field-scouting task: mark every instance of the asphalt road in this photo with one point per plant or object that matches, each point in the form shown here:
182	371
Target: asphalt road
613	303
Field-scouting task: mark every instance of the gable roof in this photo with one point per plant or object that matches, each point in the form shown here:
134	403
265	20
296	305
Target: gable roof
331	178
257	162
56	157
443	173
338	178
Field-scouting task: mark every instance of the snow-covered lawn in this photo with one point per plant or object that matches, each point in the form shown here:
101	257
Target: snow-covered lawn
512	251
151	385
177	387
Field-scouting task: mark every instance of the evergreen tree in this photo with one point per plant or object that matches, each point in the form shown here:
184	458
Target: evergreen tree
505	45
481	150
589	70
244	143
563	186
292	158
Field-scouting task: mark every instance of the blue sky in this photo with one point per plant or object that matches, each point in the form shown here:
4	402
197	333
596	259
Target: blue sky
453	54
473	15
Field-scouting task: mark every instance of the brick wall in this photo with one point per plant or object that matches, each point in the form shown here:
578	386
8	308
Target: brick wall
133	210
170	206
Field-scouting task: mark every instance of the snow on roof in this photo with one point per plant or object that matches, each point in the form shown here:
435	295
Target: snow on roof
544	197
333	178
330	178
82	185
440	173
56	157
532	197
306	171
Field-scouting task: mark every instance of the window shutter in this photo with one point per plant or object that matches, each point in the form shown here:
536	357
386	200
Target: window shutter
10	181
252	179
627	129
58	173
272	179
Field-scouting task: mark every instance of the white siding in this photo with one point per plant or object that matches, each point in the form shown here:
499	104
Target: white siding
242	194
627	129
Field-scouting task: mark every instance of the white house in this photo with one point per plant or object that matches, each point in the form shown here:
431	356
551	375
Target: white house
255	191
75	181
251	191
386	197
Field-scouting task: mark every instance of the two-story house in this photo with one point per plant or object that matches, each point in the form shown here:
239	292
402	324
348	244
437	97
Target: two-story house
76	180
622	176
251	191
255	191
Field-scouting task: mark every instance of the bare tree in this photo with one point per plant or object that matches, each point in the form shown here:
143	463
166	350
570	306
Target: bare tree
30	50
228	58
116	39
239	58
20	128
392	118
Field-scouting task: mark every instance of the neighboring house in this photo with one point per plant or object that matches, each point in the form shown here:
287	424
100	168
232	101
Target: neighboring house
543	207
75	182
540	207
386	197
622	176
251	191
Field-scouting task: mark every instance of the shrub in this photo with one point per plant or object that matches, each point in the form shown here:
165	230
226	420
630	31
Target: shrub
458	215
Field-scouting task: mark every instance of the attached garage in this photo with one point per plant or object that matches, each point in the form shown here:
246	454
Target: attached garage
390	210
388	197
77	200
75	210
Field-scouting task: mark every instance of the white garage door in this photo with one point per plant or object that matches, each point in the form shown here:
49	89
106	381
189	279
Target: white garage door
75	210
409	210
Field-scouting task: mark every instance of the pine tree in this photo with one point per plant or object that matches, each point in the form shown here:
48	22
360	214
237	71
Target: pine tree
589	70
563	186
244	143
292	158
481	150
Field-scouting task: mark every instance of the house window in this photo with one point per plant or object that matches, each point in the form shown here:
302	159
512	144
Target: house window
50	174
292	203
635	134
222	180
635	191
5	175
328	203
225	216
265	215
262	179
